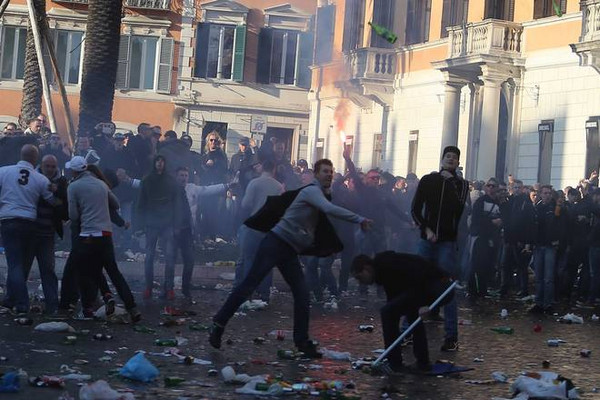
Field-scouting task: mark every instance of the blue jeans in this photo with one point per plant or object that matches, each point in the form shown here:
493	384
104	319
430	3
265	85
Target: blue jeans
272	252
250	240
544	263
594	273
444	255
168	241
42	249
317	281
184	241
17	235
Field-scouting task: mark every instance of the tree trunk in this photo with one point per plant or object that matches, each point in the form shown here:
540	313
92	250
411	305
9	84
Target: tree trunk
31	105
100	63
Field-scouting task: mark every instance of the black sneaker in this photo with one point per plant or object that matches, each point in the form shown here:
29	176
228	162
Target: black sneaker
450	344
215	334
537	309
309	348
135	315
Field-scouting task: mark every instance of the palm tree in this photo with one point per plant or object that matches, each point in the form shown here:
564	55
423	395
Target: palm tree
100	63
31	104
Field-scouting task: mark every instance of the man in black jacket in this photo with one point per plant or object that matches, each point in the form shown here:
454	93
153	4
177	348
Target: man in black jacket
157	213
518	217
48	222
437	208
486	223
411	283
546	245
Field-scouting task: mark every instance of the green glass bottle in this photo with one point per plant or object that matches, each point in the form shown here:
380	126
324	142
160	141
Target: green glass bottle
143	329
199	327
171	381
505	330
385	33
286	354
263	387
165	342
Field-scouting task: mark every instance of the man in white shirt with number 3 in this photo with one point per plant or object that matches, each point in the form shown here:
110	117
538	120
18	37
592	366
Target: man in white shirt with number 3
21	187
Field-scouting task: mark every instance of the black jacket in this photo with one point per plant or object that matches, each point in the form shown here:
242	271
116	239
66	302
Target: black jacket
114	159
50	218
400	272
548	224
157	203
216	173
438	205
142	151
518	218
484	211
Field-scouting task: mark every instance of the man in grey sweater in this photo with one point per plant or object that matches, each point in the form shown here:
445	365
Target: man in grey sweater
89	199
293	235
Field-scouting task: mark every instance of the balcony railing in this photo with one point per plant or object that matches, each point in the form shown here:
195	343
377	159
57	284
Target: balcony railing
146	4
149	4
590	27
72	1
493	37
373	63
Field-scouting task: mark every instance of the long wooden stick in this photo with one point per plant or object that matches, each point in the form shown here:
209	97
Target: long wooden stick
61	90
3	7
35	29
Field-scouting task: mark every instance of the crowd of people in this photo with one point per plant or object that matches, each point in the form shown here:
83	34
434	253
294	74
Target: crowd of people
486	234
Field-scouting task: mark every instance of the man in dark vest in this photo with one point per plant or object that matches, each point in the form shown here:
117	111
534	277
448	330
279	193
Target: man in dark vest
294	234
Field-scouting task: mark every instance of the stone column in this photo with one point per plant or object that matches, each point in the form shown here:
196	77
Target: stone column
451	114
470	162
488	138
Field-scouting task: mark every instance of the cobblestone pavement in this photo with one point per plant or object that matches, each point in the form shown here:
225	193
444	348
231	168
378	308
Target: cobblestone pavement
522	351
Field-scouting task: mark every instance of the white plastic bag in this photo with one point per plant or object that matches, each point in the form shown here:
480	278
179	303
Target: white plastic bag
101	390
250	388
54	327
336	355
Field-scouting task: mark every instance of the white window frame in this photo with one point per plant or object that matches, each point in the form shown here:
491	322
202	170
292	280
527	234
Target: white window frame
18	30
222	28
143	72
283	61
68	55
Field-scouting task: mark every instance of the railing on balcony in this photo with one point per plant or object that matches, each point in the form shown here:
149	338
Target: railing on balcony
590	27
492	37
72	1
373	63
149	4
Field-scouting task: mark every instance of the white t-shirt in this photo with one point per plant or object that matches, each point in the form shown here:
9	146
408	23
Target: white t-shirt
21	187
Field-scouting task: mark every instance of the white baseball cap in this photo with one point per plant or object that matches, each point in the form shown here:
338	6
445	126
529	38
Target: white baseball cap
77	164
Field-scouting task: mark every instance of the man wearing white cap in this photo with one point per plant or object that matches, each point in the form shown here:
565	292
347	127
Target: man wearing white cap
89	199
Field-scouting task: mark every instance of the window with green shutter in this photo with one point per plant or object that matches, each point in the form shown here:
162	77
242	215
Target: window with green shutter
239	53
305	59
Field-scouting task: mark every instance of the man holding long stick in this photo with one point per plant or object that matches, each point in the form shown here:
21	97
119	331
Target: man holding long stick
410	283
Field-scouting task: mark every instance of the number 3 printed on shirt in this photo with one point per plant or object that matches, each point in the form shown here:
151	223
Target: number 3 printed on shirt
24	180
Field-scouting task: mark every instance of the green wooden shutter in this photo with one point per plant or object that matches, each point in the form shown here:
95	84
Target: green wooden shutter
265	44
201	50
122	81
239	53
165	65
325	31
305	59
